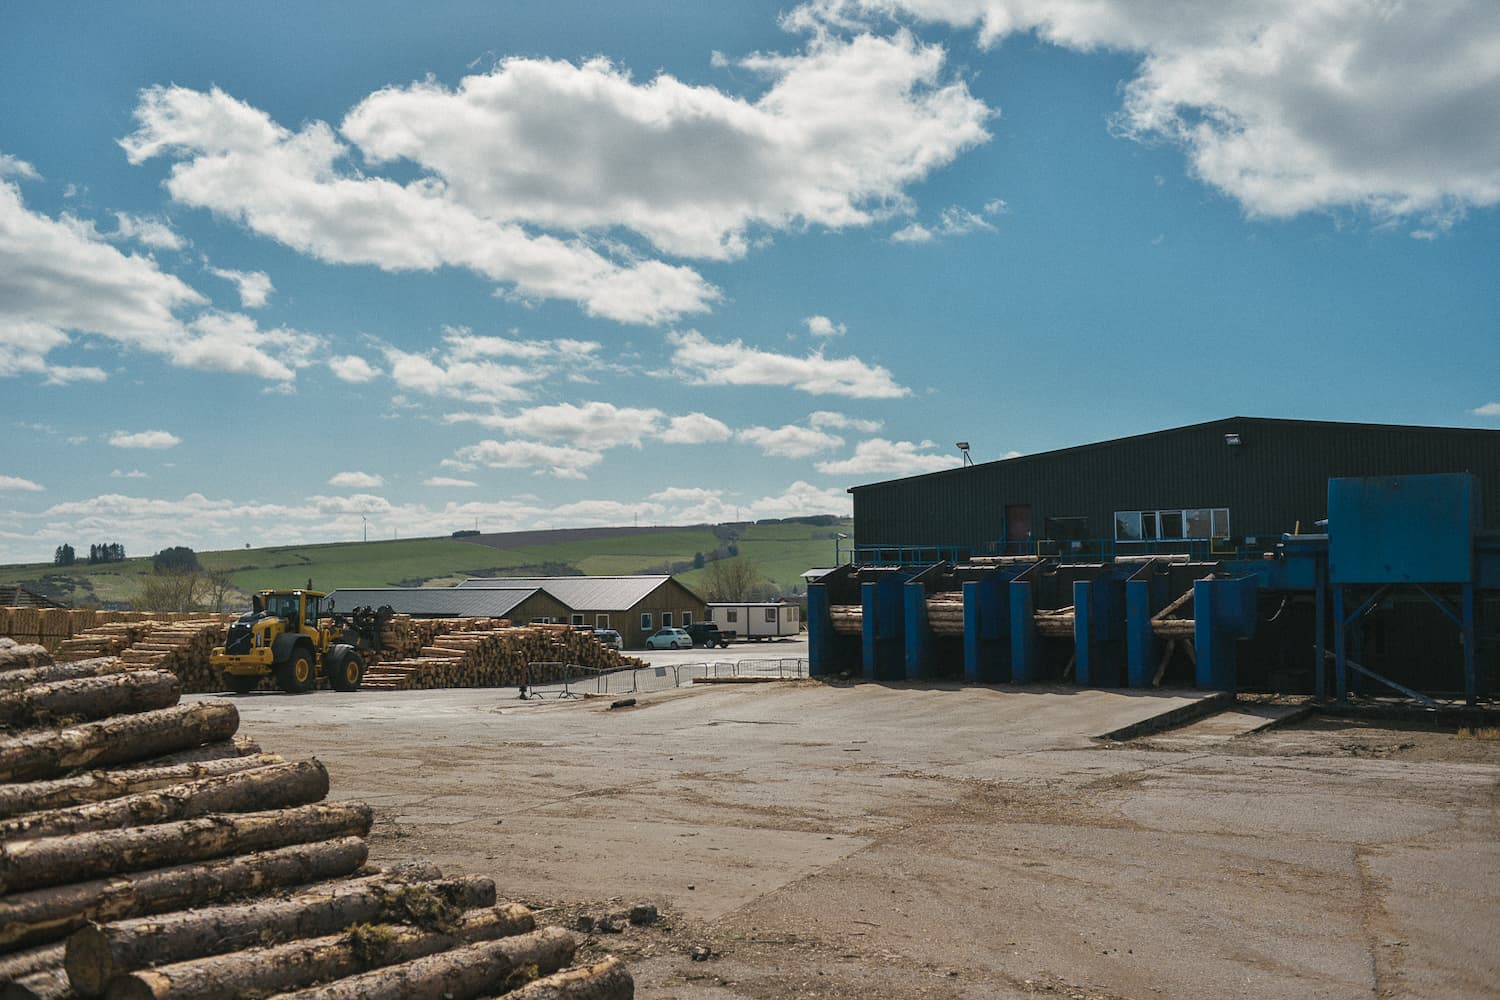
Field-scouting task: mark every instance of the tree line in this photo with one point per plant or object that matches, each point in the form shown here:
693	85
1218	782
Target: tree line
104	552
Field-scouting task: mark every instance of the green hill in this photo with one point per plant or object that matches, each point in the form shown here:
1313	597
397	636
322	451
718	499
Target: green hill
780	553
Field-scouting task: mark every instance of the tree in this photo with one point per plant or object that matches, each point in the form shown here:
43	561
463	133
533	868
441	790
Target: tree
106	552
218	587
730	580
64	556
697	560
178	557
170	590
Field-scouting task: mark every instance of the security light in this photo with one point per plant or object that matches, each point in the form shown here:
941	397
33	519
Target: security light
1232	439
963	446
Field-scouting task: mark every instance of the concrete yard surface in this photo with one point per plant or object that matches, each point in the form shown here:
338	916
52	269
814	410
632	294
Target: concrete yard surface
878	841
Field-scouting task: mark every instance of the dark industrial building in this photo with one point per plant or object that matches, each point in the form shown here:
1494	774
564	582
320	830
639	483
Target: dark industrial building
1239	554
1225	487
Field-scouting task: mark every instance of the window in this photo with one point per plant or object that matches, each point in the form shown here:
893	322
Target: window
731	616
645	621
666	619
577	619
601	621
1171	525
771	615
687	619
793	613
708	615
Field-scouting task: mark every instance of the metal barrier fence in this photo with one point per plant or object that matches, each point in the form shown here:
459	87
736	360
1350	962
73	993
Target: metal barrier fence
577	681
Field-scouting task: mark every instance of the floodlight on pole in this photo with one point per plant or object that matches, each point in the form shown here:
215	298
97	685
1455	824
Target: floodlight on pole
963	446
838	559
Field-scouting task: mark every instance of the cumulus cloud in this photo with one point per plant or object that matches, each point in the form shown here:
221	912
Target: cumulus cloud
560	461
299	189
839	421
145	439
790	441
822	326
11	166
695	428
465	366
352	368
897	458
60	277
838	133
15	484
595	426
1286	106
734	363
1487	410
356	480
449	482
254	286
153	233
953	221
132	474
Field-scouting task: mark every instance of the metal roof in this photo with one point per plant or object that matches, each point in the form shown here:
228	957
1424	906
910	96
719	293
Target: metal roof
435	602
581	593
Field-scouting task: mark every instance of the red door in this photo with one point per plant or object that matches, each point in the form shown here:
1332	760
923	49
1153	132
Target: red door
1018	529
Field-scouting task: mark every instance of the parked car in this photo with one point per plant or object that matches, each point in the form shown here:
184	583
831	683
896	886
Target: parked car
708	634
669	638
609	637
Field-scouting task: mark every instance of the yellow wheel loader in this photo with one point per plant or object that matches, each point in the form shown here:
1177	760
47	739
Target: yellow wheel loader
283	637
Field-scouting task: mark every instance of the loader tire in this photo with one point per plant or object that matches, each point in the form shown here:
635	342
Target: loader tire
294	675
241	683
344	670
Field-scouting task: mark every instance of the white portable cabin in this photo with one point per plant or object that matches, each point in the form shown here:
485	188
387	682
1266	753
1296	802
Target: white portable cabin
757	621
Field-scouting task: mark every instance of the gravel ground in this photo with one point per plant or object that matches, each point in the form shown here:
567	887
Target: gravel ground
884	840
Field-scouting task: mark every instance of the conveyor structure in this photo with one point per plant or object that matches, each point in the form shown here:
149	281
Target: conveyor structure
1404	579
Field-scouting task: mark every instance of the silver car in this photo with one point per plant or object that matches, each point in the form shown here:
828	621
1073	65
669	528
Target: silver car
609	637
669	638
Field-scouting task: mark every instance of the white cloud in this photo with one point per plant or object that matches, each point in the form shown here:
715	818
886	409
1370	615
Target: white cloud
15	484
145	439
822	326
790	441
953	221
595	426
132	474
352	368
153	233
1487	410
356	480
695	428
679	495
557	460
254	286
449	482
464	345
899	458
736	364
60	277
839	421
841	129
475	381
11	166
913	233
1286	106
298	188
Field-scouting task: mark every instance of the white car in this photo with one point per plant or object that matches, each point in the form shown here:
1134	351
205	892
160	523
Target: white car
669	638
609	637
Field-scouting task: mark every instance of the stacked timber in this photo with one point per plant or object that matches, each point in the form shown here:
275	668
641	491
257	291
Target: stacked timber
945	613
1055	623
147	850
184	648
847	619
109	639
496	657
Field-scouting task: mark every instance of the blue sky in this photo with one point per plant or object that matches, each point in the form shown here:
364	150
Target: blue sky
276	272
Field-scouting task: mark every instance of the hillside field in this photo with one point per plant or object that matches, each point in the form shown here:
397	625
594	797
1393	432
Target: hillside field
780	552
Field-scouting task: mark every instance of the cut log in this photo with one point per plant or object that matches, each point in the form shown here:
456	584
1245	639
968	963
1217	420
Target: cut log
24	963
125	738
97	667
606	980
22	656
274	787
48	984
51	914
472	971
289	966
99	952
33	864
89	697
236	746
97	786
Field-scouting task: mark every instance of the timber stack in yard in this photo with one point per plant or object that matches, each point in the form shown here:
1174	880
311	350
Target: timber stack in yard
148	850
413	653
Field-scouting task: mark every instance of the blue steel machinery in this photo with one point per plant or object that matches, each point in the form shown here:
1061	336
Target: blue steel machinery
1392	542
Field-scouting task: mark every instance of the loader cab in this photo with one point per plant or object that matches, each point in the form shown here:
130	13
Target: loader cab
299	608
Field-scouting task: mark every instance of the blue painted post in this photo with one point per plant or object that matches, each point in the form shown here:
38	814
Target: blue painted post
918	634
1140	642
1470	633
1223	611
986	631
869	599
1320	626
973	623
1340	645
1083	633
1024	652
820	635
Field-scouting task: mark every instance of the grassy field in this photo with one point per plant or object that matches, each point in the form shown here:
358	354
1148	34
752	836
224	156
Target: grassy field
779	552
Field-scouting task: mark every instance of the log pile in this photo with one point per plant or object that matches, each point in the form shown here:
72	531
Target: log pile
147	850
183	648
945	613
1056	623
495	657
847	619
1175	621
16	655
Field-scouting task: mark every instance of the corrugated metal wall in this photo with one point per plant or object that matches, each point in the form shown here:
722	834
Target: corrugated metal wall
1275	478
